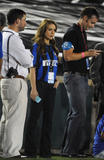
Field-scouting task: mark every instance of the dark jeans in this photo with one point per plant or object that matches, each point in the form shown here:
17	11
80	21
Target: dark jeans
47	93
75	134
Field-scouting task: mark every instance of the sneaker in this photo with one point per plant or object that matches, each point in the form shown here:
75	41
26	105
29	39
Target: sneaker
45	155
64	154
16	157
77	156
28	155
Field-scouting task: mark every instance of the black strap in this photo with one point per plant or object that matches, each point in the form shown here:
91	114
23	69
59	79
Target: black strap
8	50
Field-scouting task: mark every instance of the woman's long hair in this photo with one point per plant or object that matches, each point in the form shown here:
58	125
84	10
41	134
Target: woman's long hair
40	36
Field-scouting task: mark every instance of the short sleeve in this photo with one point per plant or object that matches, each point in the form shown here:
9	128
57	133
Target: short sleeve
67	45
34	52
69	39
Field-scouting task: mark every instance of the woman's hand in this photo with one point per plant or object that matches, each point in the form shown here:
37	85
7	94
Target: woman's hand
33	94
56	84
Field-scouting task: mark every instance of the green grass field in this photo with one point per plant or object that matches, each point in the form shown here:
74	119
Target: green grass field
53	158
63	158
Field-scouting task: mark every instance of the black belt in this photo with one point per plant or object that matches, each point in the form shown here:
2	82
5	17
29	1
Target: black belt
17	76
77	73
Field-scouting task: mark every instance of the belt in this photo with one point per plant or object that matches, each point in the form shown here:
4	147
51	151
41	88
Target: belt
77	73
19	76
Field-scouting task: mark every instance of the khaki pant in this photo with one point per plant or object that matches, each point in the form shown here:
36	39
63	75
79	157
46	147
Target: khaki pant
14	98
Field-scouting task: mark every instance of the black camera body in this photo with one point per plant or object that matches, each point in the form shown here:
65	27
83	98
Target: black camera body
12	72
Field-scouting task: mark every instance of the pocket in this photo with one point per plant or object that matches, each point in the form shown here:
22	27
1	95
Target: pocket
67	78
10	89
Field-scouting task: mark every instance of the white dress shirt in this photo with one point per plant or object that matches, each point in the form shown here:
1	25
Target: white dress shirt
18	56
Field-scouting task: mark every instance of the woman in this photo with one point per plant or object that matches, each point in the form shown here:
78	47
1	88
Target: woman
43	88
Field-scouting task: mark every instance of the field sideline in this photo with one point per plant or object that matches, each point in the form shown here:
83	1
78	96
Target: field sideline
53	158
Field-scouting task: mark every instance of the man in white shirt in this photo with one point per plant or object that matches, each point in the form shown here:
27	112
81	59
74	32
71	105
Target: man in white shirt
14	85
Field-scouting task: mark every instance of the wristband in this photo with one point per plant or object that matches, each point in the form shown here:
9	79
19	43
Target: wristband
83	54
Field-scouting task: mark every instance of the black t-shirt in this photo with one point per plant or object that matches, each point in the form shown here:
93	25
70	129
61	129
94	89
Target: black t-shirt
74	35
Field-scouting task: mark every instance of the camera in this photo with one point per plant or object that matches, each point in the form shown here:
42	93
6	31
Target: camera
12	72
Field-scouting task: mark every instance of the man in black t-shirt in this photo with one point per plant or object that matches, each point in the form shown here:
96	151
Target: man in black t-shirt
76	67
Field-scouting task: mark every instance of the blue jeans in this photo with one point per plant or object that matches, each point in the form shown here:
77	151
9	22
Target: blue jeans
77	90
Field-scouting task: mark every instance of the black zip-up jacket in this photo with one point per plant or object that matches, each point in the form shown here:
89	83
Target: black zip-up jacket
97	72
97	66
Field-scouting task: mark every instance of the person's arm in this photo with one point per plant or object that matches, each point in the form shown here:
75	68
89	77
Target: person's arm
34	91
70	40
69	54
17	49
56	83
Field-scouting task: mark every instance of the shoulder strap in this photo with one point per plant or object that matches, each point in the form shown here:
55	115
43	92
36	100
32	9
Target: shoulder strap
8	49
8	46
